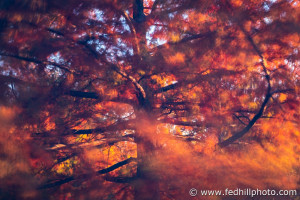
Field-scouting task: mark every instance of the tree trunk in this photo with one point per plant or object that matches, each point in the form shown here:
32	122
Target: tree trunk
146	186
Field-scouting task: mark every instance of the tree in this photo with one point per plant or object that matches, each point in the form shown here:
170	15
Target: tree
147	99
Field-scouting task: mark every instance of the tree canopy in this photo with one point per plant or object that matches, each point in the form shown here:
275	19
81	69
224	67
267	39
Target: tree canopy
146	99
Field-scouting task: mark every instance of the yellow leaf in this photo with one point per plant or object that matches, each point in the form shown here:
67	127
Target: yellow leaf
282	97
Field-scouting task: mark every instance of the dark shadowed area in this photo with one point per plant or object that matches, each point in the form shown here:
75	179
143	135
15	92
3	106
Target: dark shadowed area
146	99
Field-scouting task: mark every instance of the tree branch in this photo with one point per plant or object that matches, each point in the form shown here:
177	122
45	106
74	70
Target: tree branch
11	79
94	95
199	78
136	47
72	178
283	91
240	134
238	117
167	88
185	123
112	127
119	125
141	92
90	95
116	166
186	39
120	179
268	92
34	60
56	183
155	4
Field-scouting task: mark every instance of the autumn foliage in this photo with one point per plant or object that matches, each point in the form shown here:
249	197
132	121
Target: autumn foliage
146	99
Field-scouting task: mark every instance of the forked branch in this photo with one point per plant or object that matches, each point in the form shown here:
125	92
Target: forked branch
268	95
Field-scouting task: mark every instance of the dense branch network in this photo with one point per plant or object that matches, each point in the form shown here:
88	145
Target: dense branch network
117	82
